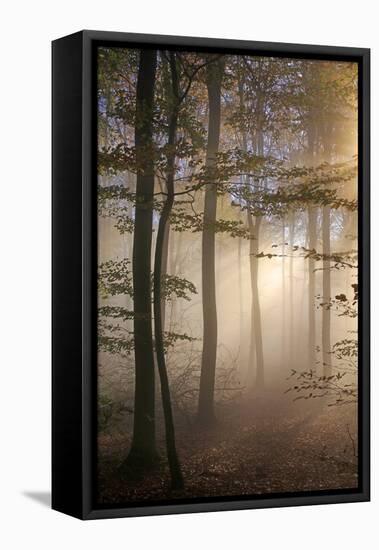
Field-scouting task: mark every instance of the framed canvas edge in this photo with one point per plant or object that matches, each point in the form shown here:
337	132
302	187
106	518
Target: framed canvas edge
362	56
227	506
280	48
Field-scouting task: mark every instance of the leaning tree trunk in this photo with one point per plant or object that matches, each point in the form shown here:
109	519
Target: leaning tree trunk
214	73
160	255
143	451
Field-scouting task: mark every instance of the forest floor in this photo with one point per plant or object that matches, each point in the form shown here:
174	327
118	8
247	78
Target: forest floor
264	444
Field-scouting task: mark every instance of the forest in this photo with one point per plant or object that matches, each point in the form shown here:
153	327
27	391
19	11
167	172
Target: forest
227	194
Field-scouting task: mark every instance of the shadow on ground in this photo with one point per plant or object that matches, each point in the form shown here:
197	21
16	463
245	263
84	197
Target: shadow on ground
41	497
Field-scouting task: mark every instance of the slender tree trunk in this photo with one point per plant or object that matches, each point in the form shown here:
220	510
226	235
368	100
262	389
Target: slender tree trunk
301	325
256	339
326	292
284	343
312	244
175	244
256	361
256	344
166	238
214	73
161	255
291	300
257	317
252	364
327	133
240	301
143	451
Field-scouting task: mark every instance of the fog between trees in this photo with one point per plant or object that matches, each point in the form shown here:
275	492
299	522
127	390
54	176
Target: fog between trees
227	274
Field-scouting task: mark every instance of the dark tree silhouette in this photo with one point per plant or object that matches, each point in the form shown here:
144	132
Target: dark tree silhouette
143	451
214	75
175	470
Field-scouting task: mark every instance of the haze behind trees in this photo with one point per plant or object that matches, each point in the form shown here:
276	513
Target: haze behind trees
227	246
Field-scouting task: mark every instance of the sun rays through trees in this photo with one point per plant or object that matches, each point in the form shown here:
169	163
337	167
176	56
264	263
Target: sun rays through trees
227	274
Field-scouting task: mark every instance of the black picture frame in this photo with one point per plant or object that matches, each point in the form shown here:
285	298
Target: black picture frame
74	273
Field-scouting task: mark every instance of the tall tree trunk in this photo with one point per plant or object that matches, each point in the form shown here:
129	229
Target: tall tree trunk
312	244
143	451
240	303
160	255
327	137
284	342
256	361
175	243
256	306
256	342
291	300
252	363
326	292
166	238
214	74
